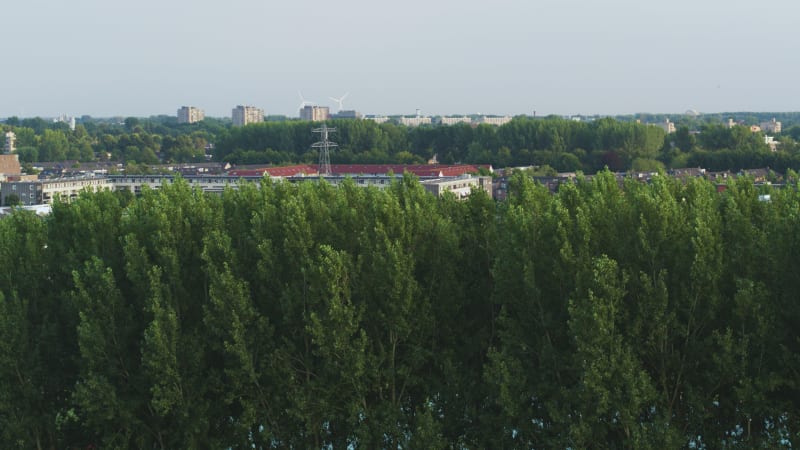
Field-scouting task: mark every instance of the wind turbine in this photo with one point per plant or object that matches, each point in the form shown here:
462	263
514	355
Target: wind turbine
303	102
339	101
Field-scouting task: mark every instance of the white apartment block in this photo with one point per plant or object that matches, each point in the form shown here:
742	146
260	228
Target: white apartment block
667	126
315	113
377	119
70	121
454	120
10	145
245	115
496	121
773	144
461	187
415	121
135	183
773	126
43	192
190	114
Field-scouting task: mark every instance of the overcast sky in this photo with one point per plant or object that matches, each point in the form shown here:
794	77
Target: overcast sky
149	57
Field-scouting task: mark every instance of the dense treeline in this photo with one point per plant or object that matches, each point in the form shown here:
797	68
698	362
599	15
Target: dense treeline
564	145
306	316
134	140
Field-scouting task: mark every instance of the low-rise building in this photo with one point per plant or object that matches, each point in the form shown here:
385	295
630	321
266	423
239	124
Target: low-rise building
299	170
772	126
667	126
9	165
414	121
377	119
40	192
773	144
70	121
378	181
461	187
26	190
206	183
453	120
496	121
354	170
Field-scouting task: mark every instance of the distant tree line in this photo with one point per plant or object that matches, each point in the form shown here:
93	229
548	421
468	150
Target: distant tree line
132	140
655	315
565	145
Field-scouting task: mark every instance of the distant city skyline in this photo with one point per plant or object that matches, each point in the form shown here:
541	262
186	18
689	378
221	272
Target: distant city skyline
455	117
506	57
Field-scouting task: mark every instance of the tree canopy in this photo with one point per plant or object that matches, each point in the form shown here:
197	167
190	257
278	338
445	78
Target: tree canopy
654	315
620	143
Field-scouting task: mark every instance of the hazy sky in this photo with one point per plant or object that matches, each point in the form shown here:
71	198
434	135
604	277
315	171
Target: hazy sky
149	57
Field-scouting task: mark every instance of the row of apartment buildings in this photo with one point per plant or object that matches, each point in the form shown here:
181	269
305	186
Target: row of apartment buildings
438	180
44	192
243	115
416	121
771	126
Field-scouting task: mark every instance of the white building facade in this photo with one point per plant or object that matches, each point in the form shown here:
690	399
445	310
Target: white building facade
190	114
495	121
245	115
10	145
315	113
454	120
773	126
415	121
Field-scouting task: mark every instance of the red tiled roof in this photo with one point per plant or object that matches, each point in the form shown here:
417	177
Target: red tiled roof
247	173
365	169
285	171
420	170
290	171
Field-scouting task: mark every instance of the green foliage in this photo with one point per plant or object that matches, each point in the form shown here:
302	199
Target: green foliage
53	146
613	390
12	200
620	143
28	154
656	315
646	165
563	144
